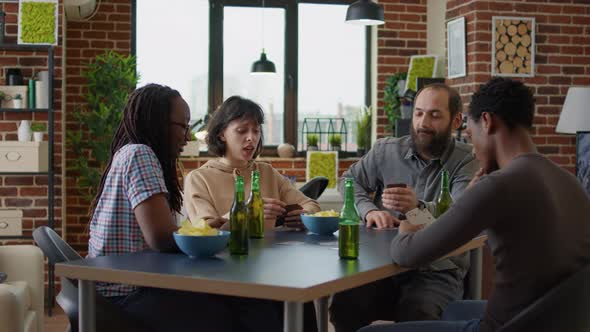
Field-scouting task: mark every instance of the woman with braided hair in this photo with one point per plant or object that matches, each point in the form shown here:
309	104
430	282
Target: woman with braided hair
134	210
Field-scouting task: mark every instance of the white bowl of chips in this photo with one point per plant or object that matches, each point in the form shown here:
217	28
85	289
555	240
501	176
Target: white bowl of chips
199	240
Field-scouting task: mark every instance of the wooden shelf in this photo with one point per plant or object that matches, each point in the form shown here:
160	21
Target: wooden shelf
25	48
24	110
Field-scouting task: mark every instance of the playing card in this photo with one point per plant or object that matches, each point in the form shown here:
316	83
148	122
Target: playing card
419	216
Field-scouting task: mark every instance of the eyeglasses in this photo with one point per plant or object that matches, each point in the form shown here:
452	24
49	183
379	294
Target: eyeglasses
186	127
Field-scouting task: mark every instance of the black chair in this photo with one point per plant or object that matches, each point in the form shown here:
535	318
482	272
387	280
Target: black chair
314	187
564	308
109	317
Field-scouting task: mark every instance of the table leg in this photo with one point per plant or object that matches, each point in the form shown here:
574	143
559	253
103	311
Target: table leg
322	313
293	318
87	303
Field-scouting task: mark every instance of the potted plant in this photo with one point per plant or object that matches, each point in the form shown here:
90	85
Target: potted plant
335	141
198	134
391	98
110	78
38	130
312	142
363	130
4	97
17	101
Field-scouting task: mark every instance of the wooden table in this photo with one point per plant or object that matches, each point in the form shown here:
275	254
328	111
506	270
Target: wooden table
292	267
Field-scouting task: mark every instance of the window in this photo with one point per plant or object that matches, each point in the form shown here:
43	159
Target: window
242	45
171	48
332	69
205	49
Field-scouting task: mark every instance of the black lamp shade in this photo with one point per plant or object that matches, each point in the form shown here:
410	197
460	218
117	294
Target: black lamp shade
263	66
365	12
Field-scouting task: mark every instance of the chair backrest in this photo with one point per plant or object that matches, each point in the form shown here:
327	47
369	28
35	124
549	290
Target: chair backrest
53	246
109	317
563	308
315	187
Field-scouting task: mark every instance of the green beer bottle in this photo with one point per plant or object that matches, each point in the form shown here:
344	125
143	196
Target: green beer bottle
444	201
238	221
348	234
256	208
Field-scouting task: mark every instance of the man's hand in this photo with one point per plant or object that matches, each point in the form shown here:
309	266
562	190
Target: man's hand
406	227
382	219
399	199
476	177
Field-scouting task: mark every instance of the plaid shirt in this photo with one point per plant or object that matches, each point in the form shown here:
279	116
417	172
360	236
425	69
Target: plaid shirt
135	175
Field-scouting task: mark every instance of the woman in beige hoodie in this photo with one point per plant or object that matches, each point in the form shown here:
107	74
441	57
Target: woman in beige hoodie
235	136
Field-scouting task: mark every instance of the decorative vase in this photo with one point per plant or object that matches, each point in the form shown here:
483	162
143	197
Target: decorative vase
286	150
335	147
191	149
17	103
38	136
24	131
312	148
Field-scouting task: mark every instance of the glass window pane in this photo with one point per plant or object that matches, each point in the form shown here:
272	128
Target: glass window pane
332	71
242	44
172	48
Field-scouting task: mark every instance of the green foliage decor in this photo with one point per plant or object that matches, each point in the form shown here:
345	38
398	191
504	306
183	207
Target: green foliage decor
363	128
37	22
335	140
312	139
323	164
111	77
420	66
37	127
391	102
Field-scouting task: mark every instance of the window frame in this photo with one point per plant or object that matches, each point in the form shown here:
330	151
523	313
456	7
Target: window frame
291	69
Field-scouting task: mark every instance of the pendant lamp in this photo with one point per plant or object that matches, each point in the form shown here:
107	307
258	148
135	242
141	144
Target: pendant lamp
263	66
365	12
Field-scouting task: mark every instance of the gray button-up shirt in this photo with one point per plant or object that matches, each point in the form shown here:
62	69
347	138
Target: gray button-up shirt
392	160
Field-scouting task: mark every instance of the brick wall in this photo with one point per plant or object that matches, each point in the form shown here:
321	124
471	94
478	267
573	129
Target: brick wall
402	35
109	29
29	193
562	59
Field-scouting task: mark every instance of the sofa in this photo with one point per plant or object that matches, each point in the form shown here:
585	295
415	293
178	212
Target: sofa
22	294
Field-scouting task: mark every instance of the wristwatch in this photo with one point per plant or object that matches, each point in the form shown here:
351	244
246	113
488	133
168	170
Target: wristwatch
421	205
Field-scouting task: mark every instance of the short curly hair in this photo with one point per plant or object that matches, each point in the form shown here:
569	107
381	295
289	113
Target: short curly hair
233	108
511	100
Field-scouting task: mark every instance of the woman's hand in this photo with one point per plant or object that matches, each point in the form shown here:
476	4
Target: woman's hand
220	223
272	209
293	219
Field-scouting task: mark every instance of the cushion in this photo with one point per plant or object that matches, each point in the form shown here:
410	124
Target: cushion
22	293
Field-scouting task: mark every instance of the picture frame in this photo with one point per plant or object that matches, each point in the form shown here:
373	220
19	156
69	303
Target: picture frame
323	163
583	159
513	46
456	49
38	22
421	66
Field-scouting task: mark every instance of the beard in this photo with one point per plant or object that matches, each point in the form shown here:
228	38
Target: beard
435	145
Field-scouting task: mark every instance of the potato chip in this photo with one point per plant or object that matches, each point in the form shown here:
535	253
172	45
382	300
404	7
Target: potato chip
198	228
328	213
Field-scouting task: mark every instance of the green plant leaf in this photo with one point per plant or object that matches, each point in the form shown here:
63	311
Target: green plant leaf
110	79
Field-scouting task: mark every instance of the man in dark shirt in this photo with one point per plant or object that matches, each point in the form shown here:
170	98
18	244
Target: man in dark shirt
416	161
533	211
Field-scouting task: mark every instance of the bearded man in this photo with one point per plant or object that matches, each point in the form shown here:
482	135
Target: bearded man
396	176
